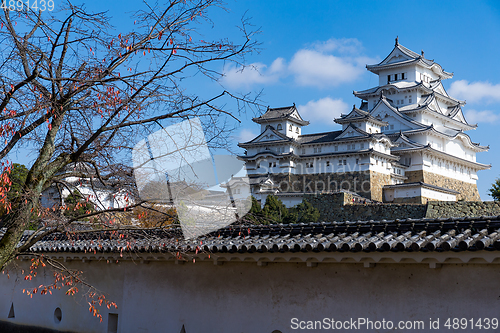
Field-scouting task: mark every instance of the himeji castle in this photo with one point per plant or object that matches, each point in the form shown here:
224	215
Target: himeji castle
405	142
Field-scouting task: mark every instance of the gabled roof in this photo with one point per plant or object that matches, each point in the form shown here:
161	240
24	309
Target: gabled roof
450	134
451	115
396	113
403	142
396	85
288	112
357	115
350	128
269	130
402	56
455	113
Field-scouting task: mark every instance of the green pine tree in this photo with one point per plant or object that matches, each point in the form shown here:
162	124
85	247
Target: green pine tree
274	210
495	190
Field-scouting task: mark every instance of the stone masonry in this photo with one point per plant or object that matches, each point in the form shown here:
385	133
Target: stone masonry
339	207
368	184
468	191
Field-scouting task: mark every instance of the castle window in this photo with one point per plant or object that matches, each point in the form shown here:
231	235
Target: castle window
336	148
388	78
357	161
362	146
403	76
392	127
290	128
303	151
409	101
397	101
345	162
279	128
395	77
327	163
340	162
297	130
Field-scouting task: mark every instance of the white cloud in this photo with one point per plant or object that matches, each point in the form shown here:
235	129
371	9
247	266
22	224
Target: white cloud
475	91
313	68
486	116
246	135
324	109
256	73
321	64
342	45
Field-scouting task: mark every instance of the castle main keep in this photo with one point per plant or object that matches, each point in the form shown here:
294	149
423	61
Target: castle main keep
405	142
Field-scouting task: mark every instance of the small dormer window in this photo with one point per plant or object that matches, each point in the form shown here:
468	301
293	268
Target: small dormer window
297	130
279	127
290	128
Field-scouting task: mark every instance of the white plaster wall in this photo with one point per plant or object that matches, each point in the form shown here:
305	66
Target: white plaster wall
242	297
293	133
448	169
290	201
436	195
409	74
100	198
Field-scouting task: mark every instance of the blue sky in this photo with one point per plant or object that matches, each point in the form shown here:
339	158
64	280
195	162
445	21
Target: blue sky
313	54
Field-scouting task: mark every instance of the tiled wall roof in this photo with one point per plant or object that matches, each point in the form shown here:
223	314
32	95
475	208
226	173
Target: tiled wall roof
454	234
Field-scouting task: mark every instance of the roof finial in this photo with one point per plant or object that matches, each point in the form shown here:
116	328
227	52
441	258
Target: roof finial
397	41
353	106
422	51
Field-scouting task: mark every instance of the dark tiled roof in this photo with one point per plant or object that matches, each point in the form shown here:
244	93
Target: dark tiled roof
453	234
319	137
280	113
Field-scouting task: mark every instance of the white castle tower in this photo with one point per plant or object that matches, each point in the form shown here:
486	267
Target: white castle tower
406	142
